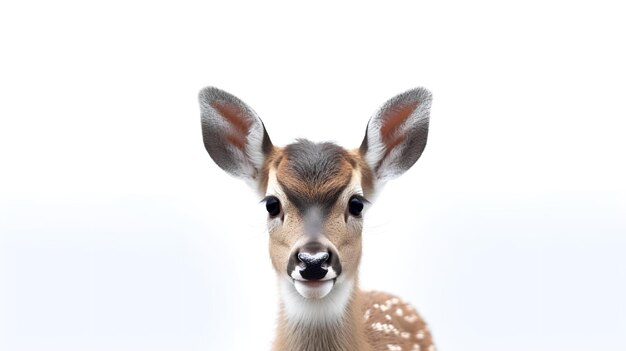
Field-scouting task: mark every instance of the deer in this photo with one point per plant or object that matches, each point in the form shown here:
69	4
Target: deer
316	196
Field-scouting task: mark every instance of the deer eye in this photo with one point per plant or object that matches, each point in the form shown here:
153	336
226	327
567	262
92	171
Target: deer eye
272	205
355	205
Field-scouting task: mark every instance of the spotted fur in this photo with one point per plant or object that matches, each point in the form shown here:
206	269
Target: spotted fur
391	321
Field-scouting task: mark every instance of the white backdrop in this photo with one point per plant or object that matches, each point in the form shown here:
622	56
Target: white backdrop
117	232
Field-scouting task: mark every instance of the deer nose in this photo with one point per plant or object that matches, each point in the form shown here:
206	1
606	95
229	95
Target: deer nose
315	266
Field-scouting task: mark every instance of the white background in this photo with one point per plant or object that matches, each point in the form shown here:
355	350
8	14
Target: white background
117	232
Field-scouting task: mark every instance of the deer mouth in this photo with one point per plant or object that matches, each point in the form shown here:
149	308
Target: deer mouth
314	289
313	286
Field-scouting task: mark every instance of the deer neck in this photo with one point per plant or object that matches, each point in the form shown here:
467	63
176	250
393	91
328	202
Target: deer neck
333	323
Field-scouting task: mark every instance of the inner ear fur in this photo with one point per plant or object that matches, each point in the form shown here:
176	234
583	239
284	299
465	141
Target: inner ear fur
396	135
233	134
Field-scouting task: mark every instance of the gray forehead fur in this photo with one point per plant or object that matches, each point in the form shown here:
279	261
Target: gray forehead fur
315	164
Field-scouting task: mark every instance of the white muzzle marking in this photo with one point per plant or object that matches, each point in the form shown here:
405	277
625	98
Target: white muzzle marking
314	289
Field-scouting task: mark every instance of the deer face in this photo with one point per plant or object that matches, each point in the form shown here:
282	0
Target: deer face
315	194
315	201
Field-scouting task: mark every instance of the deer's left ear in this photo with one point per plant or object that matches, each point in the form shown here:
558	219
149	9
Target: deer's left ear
233	134
396	135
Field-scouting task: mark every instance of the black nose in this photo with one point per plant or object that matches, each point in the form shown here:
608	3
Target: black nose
315	266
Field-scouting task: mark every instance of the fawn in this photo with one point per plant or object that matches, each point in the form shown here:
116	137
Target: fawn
316	195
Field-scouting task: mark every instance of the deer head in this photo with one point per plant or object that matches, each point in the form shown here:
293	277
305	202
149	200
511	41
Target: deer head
316	194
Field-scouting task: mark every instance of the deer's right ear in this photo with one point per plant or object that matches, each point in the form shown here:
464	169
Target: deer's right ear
233	134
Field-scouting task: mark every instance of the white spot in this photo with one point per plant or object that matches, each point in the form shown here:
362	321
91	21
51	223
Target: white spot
367	314
394	347
411	318
377	326
399	312
385	327
420	334
388	317
416	347
405	335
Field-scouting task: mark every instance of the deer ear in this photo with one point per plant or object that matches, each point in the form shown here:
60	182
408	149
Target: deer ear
396	135
233	134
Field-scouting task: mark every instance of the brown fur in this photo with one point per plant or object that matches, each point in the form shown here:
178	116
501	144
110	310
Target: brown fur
235	118
296	184
272	160
393	119
367	176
